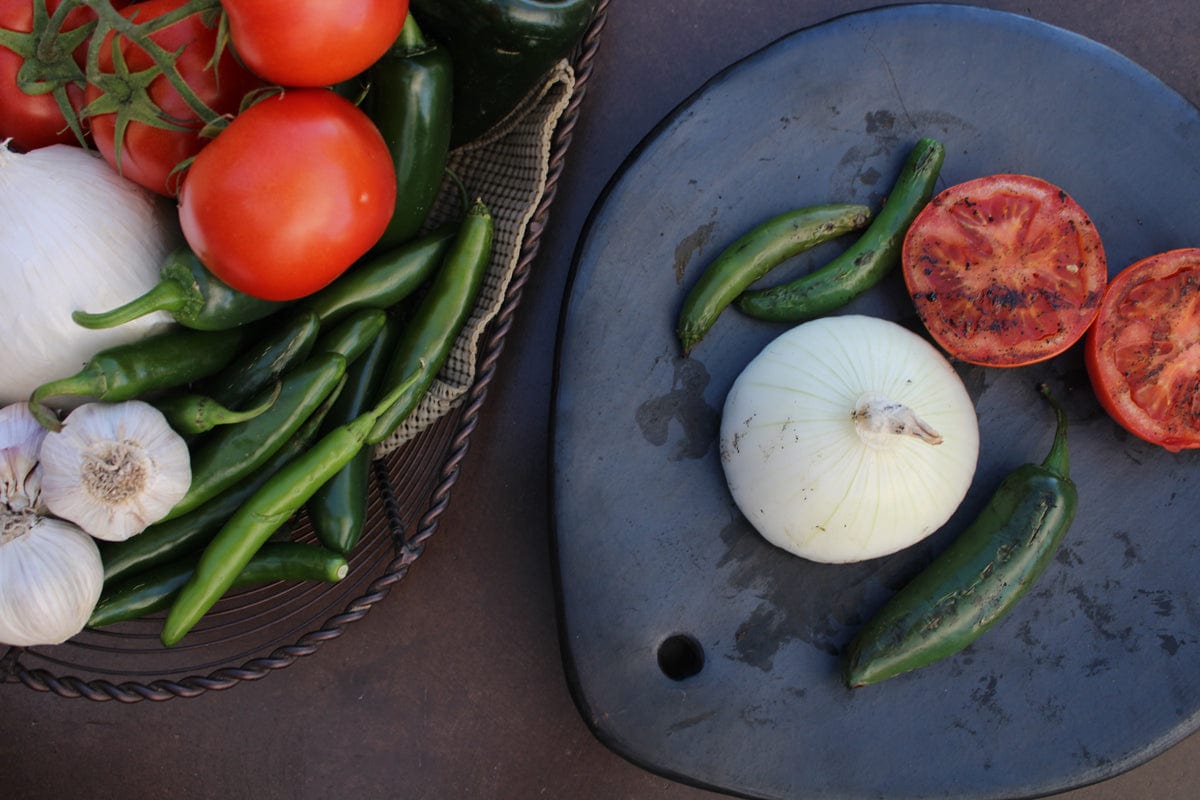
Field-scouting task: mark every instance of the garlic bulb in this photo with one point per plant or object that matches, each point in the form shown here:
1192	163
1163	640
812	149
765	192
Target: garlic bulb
75	235
50	570
114	468
21	438
50	578
848	438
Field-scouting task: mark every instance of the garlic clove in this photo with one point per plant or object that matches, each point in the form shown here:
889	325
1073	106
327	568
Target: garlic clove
51	576
21	438
114	468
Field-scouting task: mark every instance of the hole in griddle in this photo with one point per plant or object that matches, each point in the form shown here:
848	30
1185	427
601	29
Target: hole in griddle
680	657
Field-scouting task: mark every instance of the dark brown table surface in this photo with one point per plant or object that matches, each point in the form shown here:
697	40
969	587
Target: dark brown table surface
463	694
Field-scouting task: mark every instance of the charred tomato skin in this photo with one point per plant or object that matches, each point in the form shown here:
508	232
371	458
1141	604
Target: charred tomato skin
1004	270
1143	353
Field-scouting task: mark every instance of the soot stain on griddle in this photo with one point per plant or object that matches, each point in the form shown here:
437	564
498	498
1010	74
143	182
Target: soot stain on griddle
685	404
1103	619
986	698
684	724
692	244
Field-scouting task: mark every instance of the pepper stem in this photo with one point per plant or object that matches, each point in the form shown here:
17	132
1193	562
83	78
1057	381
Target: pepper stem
878	419
164	296
1058	459
90	381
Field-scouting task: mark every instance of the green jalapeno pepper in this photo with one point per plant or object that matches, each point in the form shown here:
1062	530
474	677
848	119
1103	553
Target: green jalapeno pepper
230	454
429	336
383	280
410	102
191	294
754	254
153	590
338	510
191	414
270	507
262	363
865	263
354	335
166	360
178	536
501	50
979	577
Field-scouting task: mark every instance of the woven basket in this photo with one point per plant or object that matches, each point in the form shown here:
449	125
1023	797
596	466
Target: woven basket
254	632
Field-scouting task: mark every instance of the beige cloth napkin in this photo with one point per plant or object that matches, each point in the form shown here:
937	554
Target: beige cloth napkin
508	169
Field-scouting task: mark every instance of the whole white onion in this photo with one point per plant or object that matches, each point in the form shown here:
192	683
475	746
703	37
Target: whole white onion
848	438
75	236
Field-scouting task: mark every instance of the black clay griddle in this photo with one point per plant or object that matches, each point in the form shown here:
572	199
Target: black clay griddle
699	651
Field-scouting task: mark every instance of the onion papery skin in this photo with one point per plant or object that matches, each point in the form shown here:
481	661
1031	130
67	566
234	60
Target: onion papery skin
75	236
800	471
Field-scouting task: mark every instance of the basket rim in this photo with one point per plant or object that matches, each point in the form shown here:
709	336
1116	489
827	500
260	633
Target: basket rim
411	546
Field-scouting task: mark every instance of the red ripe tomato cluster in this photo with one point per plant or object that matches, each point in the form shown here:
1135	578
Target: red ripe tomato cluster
282	184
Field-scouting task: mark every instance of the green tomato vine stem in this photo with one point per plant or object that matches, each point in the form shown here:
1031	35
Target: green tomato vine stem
139	33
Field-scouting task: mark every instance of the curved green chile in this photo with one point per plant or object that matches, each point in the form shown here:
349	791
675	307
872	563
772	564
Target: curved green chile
338	510
231	454
167	360
288	343
191	414
354	335
501	50
755	253
978	578
383	280
265	512
191	294
154	589
178	536
429	335
862	265
411	103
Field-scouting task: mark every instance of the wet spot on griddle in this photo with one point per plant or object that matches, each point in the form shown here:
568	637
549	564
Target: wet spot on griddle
759	638
1169	644
692	244
822	605
882	121
870	176
683	404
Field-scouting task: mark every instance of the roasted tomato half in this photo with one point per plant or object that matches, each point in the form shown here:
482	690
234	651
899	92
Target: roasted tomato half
1143	354
1004	270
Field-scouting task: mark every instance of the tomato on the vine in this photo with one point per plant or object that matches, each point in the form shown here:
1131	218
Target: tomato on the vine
312	42
1143	353
34	120
292	192
1004	270
140	122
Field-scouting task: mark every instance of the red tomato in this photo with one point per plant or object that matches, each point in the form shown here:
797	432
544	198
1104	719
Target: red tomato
289	194
1143	353
147	153
35	120
1004	270
312	42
